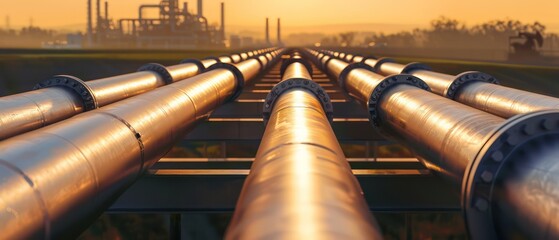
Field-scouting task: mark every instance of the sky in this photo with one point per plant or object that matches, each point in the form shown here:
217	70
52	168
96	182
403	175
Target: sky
298	15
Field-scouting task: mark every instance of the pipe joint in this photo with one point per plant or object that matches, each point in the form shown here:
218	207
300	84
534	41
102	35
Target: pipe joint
75	85
504	145
467	77
385	85
160	70
414	66
302	83
343	75
239	77
197	62
379	62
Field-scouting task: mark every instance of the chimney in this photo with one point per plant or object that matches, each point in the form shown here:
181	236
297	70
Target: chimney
200	8
89	25
107	10
222	21
267	32
185	9
279	31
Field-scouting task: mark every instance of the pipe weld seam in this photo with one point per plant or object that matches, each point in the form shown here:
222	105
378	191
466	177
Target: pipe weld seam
381	61
136	134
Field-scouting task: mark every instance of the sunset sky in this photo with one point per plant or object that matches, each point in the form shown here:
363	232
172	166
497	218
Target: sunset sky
298	15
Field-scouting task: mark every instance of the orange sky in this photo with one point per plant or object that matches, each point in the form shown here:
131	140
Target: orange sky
298	14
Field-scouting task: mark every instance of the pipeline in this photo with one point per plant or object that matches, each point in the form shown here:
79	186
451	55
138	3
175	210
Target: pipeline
300	185
507	169
62	97
56	180
476	89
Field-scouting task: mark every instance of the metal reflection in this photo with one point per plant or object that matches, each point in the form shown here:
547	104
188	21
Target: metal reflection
56	180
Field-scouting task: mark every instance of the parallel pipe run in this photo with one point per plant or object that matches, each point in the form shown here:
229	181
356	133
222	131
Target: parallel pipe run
56	180
300	185
62	97
475	89
506	168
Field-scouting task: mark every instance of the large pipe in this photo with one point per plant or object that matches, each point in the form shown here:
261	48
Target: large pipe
506	168
300	185
58	179
475	89
63	96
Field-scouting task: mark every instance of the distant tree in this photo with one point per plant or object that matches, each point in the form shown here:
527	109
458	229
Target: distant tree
347	38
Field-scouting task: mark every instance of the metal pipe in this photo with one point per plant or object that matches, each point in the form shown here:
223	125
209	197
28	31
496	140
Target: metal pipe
200	8
475	89
66	96
107	11
478	151
58	179
300	185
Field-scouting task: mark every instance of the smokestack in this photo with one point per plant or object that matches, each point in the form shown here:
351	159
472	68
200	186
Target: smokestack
107	10
279	31
98	24
267	32
200	8
89	25
222	21
185	9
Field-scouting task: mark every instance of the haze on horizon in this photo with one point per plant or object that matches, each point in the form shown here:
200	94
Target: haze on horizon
298	15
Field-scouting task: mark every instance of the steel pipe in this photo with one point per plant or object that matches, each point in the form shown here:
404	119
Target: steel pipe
58	179
300	185
475	89
61	97
504	167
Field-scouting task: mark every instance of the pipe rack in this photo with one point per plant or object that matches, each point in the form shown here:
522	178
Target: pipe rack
300	185
56	180
62	97
507	169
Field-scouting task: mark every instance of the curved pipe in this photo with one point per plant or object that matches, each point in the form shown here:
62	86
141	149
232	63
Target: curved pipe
27	111
300	185
496	162
58	179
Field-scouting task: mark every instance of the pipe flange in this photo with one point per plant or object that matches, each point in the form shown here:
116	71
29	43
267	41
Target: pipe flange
159	69
257	57
240	57
74	84
325	65
343	75
365	58
212	58
481	174
351	58
342	56
289	61
414	66
269	57
386	84
227	56
236	72
303	83
198	63
381	61
465	78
